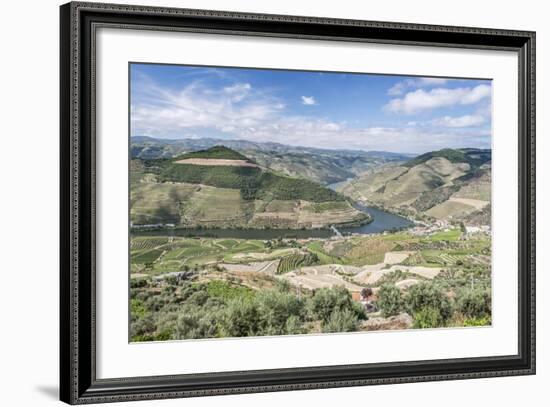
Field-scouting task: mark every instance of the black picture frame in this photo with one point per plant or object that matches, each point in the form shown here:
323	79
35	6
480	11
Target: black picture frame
78	382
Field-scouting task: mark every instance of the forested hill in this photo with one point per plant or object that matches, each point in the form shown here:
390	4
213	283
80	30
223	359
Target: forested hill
253	182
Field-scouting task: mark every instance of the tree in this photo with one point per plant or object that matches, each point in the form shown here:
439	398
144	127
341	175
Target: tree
474	303
275	309
241	318
426	294
390	300
327	300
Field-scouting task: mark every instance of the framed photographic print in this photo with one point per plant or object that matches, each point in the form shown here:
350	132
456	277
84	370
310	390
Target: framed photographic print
255	203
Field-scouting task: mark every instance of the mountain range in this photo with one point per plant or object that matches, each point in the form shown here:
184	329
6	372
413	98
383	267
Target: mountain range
319	165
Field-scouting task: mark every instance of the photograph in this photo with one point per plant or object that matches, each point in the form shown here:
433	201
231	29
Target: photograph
268	202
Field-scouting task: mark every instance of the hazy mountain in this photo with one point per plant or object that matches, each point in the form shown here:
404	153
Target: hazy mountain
319	165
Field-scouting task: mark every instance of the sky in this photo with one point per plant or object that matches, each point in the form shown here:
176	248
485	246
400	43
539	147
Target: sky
401	114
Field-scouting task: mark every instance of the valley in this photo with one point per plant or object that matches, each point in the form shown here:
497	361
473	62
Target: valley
250	239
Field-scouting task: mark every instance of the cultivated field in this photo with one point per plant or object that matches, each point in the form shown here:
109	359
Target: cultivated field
230	271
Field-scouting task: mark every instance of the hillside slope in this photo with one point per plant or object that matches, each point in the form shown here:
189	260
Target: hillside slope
445	184
220	187
318	165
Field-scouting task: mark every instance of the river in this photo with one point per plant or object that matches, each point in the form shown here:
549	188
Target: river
382	221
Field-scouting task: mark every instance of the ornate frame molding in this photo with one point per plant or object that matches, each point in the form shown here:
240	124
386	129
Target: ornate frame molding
79	21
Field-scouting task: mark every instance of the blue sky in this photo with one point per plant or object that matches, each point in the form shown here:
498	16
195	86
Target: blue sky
314	109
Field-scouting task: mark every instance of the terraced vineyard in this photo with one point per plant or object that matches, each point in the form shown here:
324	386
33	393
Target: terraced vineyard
296	261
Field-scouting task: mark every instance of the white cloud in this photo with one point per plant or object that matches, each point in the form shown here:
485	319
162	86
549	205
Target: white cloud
308	100
240	111
468	120
400	87
238	91
422	100
431	81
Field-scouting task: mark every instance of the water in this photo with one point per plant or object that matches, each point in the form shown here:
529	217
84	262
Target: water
382	221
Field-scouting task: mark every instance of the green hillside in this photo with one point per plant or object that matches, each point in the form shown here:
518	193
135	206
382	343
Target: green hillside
252	182
211	192
318	165
445	184
472	156
219	152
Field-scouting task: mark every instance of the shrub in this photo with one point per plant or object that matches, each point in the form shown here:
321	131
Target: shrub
197	298
390	300
137	309
138	282
294	325
195	323
142	327
430	295
241	318
275	309
327	300
428	317
479	321
474	303
341	321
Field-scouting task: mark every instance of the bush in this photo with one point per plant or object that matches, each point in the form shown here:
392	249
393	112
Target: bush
195	323
275	309
327	300
341	321
428	317
425	295
390	300
294	326
138	282
198	298
483	321
142	328
474	303
241	318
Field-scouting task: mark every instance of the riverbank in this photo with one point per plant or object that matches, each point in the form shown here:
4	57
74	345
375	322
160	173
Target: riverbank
379	221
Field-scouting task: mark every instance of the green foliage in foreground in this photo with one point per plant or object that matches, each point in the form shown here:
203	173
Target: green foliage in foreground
428	317
390	300
214	309
426	295
475	303
432	306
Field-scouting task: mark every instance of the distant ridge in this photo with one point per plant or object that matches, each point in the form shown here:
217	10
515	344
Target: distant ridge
475	157
207	142
319	165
